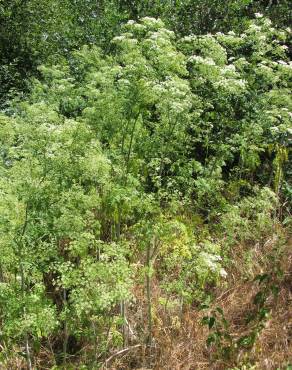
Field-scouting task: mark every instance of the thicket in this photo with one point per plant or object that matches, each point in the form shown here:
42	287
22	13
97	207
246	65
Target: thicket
33	32
130	178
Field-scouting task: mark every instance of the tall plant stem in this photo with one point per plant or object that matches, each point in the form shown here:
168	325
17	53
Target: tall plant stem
23	292
65	343
27	350
148	289
131	143
122	302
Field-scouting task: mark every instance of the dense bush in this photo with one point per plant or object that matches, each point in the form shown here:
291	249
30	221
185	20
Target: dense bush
147	162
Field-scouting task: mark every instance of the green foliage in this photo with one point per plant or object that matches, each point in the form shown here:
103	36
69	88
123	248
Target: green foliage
220	334
58	27
148	161
251	218
50	236
182	117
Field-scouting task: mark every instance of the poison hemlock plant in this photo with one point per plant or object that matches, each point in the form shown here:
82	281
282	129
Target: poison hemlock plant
148	162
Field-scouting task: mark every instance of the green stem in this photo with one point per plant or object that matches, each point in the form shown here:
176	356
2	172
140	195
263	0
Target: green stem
131	143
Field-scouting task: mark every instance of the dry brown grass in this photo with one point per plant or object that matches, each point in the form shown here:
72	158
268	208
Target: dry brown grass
180	340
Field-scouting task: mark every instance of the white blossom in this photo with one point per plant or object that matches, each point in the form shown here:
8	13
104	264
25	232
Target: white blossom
223	273
199	59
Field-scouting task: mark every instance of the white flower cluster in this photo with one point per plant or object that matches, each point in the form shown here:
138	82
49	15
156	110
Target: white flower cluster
231	85
119	38
254	28
212	261
200	60
228	70
152	22
189	38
